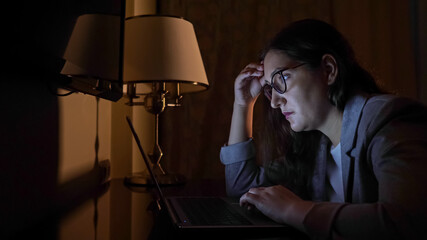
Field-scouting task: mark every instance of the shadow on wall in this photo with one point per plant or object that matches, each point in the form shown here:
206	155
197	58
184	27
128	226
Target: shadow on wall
31	201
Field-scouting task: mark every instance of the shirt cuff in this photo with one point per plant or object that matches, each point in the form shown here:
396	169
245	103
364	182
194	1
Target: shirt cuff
238	152
320	219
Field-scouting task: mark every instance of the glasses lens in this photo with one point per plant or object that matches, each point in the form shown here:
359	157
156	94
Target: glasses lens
279	83
267	91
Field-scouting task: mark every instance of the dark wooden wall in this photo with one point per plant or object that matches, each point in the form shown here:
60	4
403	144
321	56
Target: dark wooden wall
231	34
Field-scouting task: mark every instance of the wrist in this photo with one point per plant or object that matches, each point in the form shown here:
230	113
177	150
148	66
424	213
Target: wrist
243	106
296	214
241	124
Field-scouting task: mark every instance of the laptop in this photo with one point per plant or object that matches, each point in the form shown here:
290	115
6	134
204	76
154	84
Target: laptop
198	213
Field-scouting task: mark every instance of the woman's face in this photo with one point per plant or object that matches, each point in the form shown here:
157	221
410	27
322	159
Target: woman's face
305	103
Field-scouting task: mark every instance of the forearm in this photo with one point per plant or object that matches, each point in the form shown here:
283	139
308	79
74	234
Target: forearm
242	176
362	221
241	170
241	124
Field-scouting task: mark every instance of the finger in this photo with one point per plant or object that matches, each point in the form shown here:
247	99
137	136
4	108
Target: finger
256	190
245	204
245	199
252	71
249	206
249	199
248	76
258	66
253	67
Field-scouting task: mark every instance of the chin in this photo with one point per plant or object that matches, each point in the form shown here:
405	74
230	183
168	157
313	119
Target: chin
298	128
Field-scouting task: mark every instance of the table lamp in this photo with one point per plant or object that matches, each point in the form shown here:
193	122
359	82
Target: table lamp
161	52
93	56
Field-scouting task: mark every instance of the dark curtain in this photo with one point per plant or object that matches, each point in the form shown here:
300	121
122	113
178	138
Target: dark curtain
231	34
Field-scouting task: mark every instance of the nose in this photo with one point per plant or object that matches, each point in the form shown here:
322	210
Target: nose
276	99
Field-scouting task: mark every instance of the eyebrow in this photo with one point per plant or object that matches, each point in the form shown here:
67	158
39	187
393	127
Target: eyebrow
284	69
279	70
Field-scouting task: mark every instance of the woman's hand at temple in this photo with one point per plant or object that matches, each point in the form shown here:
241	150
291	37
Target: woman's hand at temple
279	204
248	84
247	87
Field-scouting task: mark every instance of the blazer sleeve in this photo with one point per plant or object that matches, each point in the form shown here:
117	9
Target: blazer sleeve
394	148
241	169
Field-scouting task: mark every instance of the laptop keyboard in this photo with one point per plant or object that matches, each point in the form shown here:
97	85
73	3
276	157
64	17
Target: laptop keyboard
211	211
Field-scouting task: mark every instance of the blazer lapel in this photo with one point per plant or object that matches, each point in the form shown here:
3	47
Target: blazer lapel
319	174
351	118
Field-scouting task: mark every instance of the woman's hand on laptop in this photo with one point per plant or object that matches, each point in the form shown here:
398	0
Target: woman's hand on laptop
279	204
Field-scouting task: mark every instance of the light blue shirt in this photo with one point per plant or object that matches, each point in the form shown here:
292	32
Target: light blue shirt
335	189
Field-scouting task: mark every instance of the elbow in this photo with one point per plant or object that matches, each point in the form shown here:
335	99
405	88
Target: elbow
235	185
233	190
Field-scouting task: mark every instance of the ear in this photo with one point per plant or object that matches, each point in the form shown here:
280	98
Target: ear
330	68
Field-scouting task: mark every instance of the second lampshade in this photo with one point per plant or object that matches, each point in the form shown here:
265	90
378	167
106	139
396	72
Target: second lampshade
162	53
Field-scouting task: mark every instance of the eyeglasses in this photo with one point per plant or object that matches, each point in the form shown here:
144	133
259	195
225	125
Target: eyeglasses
278	82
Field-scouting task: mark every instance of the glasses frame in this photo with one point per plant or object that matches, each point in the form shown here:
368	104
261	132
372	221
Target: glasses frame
282	76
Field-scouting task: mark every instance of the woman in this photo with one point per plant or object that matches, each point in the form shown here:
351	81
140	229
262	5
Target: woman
341	159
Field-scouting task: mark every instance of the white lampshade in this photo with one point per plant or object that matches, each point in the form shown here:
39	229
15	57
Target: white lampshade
163	48
93	48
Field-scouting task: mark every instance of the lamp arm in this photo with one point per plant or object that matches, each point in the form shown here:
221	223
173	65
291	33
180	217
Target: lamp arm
157	154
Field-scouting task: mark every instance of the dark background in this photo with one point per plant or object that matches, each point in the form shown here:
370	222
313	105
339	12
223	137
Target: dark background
388	37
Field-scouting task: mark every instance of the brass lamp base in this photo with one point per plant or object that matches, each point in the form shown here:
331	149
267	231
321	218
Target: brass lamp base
144	179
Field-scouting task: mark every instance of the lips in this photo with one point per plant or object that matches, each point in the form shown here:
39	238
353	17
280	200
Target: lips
287	114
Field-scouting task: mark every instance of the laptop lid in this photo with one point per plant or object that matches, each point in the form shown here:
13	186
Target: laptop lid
144	156
257	221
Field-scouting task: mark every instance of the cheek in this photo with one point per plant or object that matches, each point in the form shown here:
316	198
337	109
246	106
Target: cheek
310	99
314	89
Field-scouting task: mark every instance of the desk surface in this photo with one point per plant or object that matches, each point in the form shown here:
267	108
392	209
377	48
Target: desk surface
116	211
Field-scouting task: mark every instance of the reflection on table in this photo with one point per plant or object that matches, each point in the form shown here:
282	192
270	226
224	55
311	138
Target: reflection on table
116	211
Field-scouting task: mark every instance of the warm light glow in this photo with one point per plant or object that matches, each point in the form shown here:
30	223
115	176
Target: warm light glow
163	48
93	49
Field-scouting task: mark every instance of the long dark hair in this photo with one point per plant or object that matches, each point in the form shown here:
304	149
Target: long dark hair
308	41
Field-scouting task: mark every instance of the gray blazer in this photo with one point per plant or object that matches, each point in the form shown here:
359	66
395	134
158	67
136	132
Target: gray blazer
384	161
